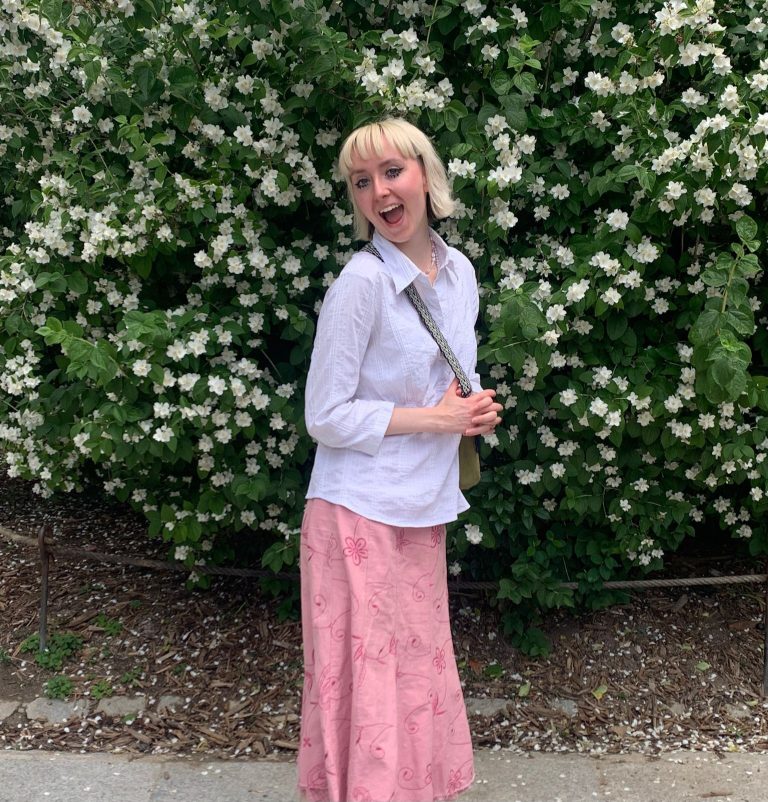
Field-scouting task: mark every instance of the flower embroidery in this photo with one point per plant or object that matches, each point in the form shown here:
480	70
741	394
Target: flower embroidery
438	661
357	549
437	535
455	781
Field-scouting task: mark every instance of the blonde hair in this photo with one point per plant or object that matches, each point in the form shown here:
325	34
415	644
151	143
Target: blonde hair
411	143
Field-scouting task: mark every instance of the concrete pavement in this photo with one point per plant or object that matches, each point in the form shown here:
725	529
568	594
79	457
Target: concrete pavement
501	777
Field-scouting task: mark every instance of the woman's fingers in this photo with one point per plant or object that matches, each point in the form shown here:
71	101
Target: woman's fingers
482	425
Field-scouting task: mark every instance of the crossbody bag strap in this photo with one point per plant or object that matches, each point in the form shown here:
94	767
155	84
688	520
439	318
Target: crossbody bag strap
432	328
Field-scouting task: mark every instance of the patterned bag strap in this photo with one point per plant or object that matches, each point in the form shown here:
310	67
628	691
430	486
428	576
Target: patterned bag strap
432	328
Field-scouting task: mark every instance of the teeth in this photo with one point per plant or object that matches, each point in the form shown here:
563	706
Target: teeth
389	208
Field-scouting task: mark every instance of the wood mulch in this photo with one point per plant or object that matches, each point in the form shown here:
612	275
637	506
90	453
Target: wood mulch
669	670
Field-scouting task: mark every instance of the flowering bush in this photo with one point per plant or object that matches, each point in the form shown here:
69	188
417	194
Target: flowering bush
172	217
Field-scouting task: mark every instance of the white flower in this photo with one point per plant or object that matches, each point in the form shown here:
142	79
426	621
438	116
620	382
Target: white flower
740	194
409	39
141	367
705	196
611	296
162	434
568	397
473	533
693	98
489	25
675	190
216	385
577	291
463	169
555	312
81	114
557	469
617	220
244	135
598	407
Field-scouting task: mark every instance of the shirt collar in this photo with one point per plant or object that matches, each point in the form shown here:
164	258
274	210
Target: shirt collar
402	269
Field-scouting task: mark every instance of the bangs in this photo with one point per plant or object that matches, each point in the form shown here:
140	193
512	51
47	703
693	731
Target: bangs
369	140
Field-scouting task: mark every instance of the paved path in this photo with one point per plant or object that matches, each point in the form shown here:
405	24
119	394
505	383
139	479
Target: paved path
501	777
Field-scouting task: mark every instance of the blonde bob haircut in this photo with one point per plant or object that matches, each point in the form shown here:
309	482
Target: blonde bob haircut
411	143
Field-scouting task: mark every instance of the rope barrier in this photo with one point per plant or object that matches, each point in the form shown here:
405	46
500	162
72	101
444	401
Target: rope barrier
168	565
48	548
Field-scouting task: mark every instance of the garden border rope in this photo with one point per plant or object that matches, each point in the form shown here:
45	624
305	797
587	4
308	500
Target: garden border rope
48	549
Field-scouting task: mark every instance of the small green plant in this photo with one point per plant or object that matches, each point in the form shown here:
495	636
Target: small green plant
58	687
5	657
131	678
134	604
112	626
102	689
61	646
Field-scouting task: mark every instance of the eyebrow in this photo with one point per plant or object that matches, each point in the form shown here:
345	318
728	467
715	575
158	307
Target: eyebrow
380	164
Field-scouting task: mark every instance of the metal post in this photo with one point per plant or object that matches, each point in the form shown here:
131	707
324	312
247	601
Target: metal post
765	639
44	561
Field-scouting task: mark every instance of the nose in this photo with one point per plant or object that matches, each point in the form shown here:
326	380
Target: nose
380	188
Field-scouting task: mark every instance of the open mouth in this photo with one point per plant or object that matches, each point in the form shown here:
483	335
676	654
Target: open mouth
392	214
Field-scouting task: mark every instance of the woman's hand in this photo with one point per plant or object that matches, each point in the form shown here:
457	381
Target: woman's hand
477	414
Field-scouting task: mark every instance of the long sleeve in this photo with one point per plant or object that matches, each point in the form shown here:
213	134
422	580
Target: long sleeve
334	415
473	375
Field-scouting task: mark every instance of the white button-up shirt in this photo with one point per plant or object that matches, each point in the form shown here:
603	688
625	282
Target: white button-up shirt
371	354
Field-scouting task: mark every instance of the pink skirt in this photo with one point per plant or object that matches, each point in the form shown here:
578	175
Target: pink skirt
382	716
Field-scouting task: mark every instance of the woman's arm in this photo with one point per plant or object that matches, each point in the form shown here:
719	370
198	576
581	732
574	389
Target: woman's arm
453	414
334	417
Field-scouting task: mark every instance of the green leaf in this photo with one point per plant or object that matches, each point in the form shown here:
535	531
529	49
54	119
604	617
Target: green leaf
550	17
501	83
78	283
616	326
142	264
716	276
746	228
454	113
526	83
183	80
706	327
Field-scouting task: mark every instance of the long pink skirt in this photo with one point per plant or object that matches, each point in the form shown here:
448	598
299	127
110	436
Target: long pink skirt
382	715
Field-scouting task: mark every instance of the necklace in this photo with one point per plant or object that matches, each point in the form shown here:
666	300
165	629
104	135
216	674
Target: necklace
433	260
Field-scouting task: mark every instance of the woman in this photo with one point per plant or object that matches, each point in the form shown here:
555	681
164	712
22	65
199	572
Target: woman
383	717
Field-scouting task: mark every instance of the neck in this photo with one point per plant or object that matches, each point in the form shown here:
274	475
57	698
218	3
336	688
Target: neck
418	249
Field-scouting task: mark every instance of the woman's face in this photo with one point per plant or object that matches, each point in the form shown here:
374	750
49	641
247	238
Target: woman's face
391	191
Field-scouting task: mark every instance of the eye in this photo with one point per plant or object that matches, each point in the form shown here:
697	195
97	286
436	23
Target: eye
394	172
362	183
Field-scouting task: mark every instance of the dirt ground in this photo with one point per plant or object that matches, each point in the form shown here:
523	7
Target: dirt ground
670	670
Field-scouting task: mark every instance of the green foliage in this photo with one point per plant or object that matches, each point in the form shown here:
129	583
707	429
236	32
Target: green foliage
58	687
61	646
102	689
172	220
111	626
131	677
